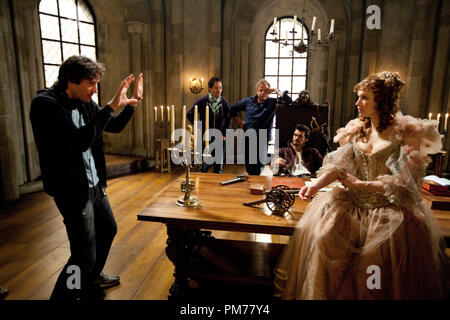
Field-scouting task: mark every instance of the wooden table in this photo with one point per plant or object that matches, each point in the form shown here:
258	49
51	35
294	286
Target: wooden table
197	255
221	208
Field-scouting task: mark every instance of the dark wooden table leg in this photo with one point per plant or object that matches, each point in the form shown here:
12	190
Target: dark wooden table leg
180	244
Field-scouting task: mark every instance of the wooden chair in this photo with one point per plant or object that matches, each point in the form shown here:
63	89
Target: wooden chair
287	116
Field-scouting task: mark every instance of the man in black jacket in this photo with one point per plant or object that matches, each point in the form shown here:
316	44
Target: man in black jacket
219	118
68	126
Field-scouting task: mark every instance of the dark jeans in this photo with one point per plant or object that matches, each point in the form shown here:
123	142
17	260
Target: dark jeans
258	167
91	232
217	167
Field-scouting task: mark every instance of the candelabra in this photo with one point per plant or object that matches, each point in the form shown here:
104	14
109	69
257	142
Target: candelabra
188	152
303	46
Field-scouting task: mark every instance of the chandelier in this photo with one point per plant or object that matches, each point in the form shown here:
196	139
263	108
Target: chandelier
302	46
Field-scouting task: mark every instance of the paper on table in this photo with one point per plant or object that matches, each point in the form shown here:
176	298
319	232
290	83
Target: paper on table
441	181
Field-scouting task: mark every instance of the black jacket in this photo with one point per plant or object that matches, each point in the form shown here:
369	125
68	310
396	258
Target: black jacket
60	143
221	120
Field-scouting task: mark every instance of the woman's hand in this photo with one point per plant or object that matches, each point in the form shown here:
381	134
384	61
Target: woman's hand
307	192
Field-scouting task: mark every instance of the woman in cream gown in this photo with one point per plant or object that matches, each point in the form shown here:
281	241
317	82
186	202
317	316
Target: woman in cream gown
372	237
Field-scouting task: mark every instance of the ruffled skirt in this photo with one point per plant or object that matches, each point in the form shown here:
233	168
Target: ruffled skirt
343	251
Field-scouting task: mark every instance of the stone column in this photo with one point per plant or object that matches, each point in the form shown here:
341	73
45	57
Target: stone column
135	30
419	69
245	63
10	133
31	75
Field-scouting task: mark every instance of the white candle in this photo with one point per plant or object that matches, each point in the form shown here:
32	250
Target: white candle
162	113
445	122
429	116
293	22
168	113
207	126
195	126
274	22
183	125
156	113
313	24
172	123
438	119
318	35
332	26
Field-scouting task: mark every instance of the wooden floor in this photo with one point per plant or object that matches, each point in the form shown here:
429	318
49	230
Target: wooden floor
34	245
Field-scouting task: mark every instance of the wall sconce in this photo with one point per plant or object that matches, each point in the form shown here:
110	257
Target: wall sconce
196	85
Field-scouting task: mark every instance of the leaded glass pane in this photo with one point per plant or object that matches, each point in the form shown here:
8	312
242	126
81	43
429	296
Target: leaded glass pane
299	84
84	13
67	9
69	30
49	27
87	34
271	67
88	52
300	67
285	84
48	6
52	52
285	51
70	50
271	49
51	74
286	67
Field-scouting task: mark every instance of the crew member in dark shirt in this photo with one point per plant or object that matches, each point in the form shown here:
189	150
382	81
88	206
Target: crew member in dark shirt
298	158
259	114
68	126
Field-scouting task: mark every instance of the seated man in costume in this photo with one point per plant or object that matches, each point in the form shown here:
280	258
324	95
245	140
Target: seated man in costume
297	159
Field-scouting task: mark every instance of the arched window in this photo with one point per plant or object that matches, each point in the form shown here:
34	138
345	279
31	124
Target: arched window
285	68
67	28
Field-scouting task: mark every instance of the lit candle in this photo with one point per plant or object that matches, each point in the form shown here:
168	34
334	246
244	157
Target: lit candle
183	125
445	122
172	123
168	114
429	116
332	26
207	126
156	113
313	24
318	35
438	119
195	126
162	113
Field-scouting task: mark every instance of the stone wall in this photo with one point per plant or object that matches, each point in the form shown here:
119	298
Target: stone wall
172	41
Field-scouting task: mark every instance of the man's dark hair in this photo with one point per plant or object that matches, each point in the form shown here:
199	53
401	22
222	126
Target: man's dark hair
77	68
303	128
212	81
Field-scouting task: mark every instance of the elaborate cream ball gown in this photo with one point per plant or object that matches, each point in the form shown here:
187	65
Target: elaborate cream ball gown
353	244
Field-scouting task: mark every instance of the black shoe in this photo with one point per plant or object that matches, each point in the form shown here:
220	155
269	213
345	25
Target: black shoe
3	293
107	281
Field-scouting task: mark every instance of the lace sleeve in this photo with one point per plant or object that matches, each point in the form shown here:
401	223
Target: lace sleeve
408	165
341	159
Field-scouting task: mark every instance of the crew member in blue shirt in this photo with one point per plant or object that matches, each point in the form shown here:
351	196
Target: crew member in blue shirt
259	113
